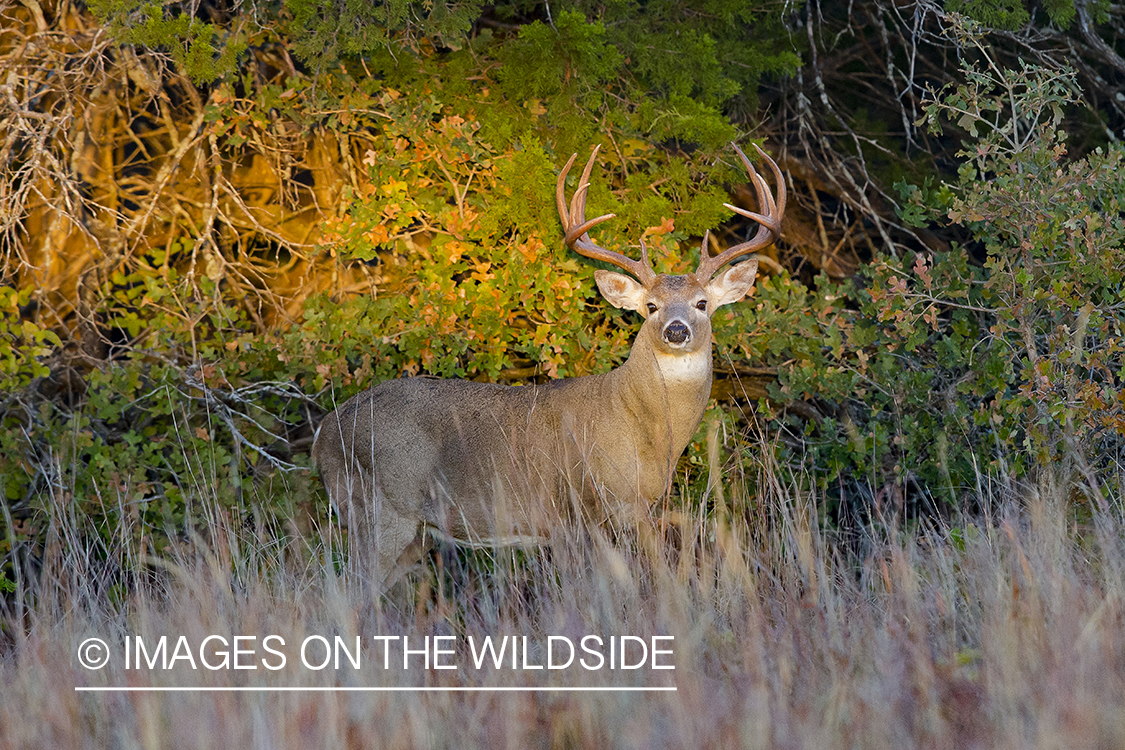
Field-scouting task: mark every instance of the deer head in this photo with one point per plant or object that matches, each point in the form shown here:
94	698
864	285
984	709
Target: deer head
677	309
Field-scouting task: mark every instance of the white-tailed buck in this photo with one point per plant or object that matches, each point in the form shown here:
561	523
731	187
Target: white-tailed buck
487	464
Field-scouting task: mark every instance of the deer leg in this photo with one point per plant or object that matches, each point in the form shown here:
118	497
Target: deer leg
399	546
412	556
383	543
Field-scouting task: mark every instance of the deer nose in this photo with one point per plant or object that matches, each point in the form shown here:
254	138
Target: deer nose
677	332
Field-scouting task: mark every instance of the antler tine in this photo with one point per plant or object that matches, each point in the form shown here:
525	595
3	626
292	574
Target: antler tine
560	195
577	227
578	202
769	228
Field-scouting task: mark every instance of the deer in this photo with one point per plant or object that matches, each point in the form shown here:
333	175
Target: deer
418	459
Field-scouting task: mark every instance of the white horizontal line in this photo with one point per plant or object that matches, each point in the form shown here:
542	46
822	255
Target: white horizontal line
315	689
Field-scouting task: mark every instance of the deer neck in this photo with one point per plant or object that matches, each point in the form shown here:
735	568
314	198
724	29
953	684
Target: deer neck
667	391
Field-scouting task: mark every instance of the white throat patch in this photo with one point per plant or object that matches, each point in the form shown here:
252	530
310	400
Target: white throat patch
683	368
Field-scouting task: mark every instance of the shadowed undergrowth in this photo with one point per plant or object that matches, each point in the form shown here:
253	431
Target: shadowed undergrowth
997	631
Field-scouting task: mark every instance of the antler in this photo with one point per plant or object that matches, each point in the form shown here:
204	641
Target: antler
769	230
577	227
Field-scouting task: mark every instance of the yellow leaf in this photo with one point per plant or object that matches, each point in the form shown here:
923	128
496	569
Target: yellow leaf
394	186
632	146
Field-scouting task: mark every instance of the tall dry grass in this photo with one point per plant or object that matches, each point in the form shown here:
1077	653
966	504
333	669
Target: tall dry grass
1003	630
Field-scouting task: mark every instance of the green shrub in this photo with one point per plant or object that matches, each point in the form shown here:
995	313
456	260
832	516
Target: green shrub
1004	356
203	52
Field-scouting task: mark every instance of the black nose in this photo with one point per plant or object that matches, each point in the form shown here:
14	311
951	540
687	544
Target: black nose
676	332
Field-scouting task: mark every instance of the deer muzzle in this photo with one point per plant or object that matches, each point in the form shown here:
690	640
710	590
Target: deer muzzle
677	333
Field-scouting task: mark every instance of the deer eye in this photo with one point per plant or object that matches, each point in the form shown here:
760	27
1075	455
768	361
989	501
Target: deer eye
651	308
701	304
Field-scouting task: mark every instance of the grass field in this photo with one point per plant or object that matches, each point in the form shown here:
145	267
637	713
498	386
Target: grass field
1002	630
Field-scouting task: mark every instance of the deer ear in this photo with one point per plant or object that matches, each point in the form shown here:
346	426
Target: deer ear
733	284
620	290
